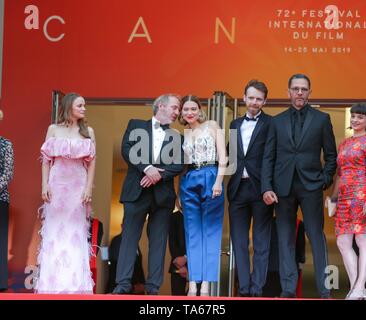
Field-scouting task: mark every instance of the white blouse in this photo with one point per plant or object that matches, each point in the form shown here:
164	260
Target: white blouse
199	145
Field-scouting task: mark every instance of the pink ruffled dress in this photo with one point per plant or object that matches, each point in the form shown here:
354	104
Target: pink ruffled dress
64	252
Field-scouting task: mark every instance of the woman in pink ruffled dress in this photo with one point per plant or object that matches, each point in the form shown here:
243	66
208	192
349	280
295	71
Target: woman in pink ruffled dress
68	169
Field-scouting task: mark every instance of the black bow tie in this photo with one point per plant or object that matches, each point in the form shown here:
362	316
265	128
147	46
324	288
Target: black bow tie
250	119
163	126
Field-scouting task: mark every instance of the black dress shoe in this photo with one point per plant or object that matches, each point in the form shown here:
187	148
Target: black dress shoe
288	295
256	295
120	290
246	294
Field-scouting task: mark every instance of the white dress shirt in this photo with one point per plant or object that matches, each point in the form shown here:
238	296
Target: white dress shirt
158	136
246	131
158	139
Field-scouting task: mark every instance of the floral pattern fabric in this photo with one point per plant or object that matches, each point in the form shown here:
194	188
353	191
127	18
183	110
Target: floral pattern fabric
6	167
350	215
199	148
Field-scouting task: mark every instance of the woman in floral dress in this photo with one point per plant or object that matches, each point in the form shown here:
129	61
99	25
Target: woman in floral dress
350	194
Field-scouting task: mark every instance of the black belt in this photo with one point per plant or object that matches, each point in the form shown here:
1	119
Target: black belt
197	166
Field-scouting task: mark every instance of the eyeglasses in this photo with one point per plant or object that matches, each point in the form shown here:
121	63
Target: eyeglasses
297	90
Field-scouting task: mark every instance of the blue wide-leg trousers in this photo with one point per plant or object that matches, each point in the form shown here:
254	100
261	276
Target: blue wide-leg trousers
203	219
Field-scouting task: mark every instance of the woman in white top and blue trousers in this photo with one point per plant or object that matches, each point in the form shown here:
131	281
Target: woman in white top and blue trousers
201	194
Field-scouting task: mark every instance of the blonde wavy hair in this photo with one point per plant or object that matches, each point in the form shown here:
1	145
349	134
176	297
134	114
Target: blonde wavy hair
202	115
64	114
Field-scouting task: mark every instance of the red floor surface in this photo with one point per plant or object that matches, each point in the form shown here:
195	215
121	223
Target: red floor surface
31	296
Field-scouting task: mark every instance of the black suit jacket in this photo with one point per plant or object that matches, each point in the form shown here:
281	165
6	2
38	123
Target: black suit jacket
136	149
252	160
282	156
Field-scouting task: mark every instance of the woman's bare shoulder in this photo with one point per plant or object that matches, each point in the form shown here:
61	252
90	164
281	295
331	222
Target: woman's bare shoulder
52	129
212	124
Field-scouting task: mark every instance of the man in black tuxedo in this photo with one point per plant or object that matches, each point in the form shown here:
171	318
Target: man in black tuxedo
244	192
154	156
293	175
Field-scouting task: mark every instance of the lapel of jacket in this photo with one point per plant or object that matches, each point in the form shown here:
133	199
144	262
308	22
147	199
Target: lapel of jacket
289	126
240	140
256	130
151	147
166	141
307	122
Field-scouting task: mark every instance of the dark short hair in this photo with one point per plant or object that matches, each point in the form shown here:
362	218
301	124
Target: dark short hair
359	108
299	76
260	86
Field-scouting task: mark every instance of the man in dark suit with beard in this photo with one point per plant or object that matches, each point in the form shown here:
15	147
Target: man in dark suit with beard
154	156
293	175
244	192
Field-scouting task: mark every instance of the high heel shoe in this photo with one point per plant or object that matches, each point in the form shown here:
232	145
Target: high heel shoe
192	293
356	294
192	289
348	294
205	289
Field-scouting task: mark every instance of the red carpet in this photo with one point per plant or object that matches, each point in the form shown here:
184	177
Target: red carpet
32	296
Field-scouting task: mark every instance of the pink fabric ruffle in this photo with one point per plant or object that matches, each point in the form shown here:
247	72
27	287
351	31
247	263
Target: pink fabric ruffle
68	148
